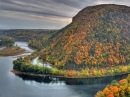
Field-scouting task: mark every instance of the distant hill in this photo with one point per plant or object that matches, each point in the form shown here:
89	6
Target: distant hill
34	37
99	36
27	34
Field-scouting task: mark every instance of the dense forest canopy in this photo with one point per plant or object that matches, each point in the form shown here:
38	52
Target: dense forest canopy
98	36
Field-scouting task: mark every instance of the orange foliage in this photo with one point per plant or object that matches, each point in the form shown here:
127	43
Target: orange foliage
70	73
110	95
106	91
115	89
123	81
47	57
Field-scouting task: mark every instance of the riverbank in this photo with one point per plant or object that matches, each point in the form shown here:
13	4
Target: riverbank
55	76
25	66
36	75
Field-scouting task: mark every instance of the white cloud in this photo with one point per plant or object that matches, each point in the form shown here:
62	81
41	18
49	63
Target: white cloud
120	2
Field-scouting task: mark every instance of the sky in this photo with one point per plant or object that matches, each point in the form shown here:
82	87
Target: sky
44	14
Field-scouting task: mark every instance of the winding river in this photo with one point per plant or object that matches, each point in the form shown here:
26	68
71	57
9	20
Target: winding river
12	85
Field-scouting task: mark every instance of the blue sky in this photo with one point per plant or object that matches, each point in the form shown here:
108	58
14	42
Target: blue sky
44	14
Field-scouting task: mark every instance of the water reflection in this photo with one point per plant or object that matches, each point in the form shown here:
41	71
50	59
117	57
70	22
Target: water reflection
90	81
41	80
37	79
71	81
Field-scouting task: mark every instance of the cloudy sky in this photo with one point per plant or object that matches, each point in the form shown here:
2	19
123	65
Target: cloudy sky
44	14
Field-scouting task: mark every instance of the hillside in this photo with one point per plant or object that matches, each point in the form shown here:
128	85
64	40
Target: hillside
98	36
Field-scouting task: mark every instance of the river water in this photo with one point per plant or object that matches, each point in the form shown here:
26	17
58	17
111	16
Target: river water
12	85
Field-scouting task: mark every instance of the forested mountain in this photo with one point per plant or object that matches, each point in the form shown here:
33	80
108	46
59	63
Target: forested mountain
98	36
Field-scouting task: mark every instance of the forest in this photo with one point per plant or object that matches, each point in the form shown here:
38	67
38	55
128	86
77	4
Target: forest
95	44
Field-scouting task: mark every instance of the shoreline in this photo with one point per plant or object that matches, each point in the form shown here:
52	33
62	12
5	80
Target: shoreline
20	54
64	77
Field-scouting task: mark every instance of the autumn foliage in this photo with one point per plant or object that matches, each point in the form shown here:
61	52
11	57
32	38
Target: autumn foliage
116	89
98	36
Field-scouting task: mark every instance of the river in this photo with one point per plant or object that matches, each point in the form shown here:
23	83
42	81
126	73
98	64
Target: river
12	85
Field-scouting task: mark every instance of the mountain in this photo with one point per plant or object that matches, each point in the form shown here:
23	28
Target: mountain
99	36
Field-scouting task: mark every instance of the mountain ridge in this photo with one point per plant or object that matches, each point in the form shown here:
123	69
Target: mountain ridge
98	36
